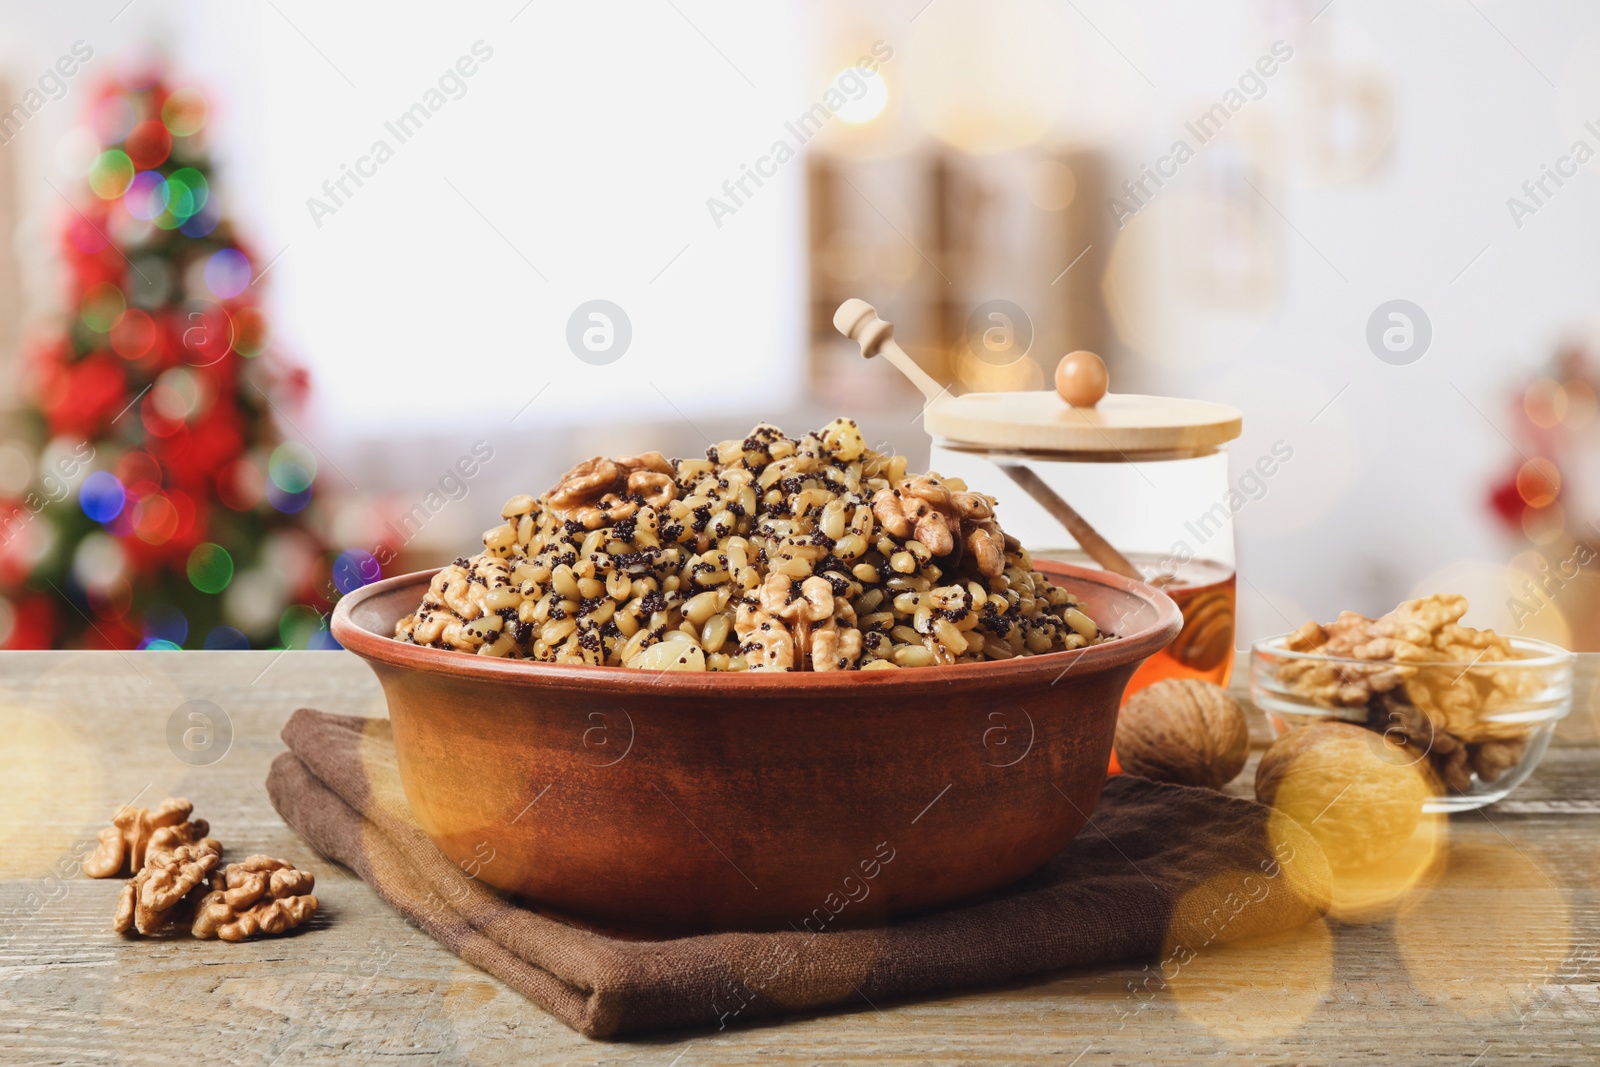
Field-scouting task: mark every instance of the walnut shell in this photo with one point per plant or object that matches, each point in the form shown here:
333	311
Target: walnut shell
1185	731
1333	779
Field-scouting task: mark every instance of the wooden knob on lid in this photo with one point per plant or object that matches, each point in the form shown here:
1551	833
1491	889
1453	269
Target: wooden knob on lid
1081	379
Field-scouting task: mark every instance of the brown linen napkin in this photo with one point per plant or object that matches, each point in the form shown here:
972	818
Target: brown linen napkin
1161	871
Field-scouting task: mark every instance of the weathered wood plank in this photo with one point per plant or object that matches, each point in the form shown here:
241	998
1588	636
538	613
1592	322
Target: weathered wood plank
1485	974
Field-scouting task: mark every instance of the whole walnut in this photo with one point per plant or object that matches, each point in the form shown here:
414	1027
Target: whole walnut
1334	778
1185	731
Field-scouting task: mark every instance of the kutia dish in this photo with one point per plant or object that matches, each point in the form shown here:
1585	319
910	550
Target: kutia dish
698	794
771	553
746	799
1473	708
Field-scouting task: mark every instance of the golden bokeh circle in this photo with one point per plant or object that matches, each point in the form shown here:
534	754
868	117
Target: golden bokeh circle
982	376
986	78
1259	988
1051	185
1365	809
1192	280
54	797
1488	932
1376	891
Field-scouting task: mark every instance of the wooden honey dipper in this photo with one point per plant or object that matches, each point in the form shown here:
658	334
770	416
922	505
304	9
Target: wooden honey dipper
859	321
1080	380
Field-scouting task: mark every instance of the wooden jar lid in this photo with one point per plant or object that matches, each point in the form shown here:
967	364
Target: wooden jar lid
1107	426
1126	424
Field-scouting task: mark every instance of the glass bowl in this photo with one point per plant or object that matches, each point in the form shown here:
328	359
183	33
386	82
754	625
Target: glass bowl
1480	727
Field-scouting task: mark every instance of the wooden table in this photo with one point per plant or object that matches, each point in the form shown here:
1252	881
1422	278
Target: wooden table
1499	968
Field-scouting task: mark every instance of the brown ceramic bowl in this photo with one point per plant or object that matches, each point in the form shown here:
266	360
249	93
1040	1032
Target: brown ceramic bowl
754	800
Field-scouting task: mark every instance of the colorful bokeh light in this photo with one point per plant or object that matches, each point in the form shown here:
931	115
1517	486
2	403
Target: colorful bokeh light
163	622
155	519
86	237
134	334
240	485
293	467
178	210
323	641
210	567
187	194
226	639
227	273
147	195
138	469
288	503
250	332
184	112
355	568
202	221
110	174
1538	482
101	496
194	184
143	551
148	144
102	307
298	625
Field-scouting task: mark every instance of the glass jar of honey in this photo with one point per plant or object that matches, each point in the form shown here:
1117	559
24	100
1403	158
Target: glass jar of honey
1135	484
1145	476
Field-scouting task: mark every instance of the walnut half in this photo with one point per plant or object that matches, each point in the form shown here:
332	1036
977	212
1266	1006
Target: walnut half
764	640
134	831
600	490
944	521
150	898
1397	650
262	895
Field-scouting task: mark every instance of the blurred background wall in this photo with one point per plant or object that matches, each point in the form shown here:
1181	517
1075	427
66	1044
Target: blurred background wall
1338	156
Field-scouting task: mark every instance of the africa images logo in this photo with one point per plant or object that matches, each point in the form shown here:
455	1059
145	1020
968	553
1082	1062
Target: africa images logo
451	85
850	86
1252	85
1540	189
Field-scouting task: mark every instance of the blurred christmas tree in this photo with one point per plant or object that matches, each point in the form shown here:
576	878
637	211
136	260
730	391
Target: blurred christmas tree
164	510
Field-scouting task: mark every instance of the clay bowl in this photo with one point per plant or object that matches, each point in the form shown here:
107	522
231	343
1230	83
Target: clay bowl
748	801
